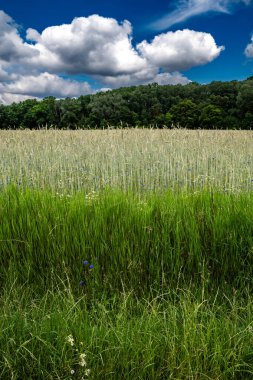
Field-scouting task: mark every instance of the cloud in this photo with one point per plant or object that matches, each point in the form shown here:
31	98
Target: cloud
3	75
146	78
150	75
103	48
139	77
6	98
12	47
98	47
190	8
249	49
170	78
180	50
46	84
93	45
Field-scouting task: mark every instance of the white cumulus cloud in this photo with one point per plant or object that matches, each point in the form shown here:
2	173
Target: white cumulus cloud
93	45
180	50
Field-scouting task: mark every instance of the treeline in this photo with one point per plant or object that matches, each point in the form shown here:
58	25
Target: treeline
221	105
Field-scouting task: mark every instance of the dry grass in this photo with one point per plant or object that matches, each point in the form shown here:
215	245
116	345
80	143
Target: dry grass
131	159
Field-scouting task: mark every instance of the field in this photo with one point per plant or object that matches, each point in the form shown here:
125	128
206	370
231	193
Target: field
135	159
132	247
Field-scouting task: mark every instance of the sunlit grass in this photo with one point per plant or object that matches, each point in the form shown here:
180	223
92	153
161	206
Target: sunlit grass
133	159
181	337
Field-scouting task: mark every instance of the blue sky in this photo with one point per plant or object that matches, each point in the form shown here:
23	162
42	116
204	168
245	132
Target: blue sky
69	48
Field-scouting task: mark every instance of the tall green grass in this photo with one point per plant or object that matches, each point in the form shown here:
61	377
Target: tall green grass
124	338
169	296
153	243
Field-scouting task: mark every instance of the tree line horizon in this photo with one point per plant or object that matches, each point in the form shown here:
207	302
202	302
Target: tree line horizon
217	105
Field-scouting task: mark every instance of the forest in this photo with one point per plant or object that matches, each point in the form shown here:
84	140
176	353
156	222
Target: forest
218	105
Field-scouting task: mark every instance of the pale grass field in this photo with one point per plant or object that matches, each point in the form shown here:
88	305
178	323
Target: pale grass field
129	159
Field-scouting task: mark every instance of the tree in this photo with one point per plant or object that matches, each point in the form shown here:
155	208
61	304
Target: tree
4	121
184	114
69	113
245	105
42	114
108	108
211	117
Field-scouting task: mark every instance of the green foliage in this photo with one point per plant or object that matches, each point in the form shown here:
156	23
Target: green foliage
150	105
68	112
184	114
211	117
245	104
108	109
41	114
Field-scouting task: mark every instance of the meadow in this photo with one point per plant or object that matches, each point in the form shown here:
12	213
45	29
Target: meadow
126	254
128	159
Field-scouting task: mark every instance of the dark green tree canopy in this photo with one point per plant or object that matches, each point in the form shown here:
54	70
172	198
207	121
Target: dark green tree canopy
216	105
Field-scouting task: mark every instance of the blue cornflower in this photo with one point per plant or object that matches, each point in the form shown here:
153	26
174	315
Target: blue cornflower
86	262
91	266
81	283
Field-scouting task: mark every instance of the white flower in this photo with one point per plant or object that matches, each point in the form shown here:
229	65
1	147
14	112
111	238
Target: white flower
82	362
87	372
70	340
72	372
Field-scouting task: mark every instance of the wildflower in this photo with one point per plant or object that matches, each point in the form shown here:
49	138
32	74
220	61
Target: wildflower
81	283
70	340
91	266
87	372
82	362
72	372
86	262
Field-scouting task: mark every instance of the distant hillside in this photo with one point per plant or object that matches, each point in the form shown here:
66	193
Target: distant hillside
222	105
